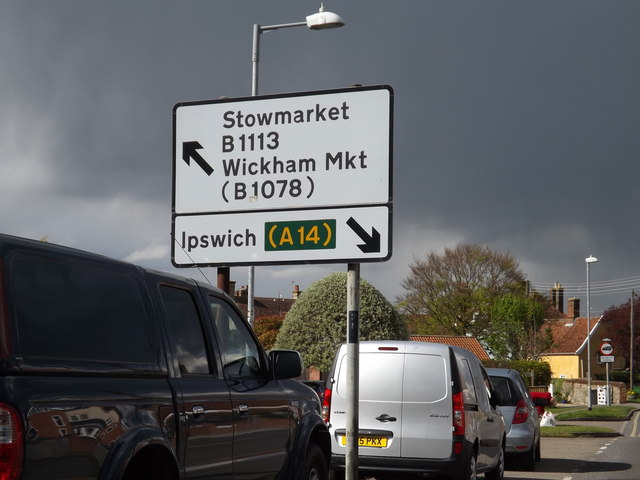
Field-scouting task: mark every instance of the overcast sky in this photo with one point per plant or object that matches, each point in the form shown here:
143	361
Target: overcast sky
517	123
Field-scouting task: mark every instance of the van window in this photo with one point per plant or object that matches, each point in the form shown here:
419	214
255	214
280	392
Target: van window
79	311
425	378
186	329
468	385
238	349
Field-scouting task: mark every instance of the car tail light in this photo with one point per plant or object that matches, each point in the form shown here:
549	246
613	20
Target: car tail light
521	414
326	405
11	443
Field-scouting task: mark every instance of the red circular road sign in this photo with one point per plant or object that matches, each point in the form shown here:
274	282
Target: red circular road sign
606	349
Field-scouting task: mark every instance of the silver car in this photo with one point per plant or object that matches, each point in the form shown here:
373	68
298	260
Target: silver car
520	416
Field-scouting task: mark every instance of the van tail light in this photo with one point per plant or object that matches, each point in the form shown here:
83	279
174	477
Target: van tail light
326	406
458	414
458	421
11	443
521	414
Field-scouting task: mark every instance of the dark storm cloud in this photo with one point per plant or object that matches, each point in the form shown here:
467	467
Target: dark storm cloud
516	123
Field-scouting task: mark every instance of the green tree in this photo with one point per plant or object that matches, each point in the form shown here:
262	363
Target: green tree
618	321
266	329
455	289
316	323
515	328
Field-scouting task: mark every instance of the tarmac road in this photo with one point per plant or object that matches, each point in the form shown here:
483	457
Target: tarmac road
594	458
586	458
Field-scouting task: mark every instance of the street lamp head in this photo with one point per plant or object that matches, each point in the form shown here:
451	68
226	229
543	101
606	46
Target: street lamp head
323	19
591	259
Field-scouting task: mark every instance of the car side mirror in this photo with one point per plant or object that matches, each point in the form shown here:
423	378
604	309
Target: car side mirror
285	364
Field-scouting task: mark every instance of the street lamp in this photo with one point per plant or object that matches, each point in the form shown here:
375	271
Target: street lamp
317	21
590	259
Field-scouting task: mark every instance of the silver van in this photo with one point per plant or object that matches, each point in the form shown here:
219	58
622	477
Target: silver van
425	408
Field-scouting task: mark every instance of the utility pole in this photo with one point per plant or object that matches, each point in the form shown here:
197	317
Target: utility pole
631	343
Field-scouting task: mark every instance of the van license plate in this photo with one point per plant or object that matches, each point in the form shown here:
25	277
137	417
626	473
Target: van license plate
377	442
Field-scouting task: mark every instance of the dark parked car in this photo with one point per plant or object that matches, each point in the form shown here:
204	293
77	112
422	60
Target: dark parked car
114	372
520	416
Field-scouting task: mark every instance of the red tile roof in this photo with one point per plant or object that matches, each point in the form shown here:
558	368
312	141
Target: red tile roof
470	343
569	336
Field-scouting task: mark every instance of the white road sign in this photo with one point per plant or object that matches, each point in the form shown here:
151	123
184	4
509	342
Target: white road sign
309	150
606	349
250	238
290	158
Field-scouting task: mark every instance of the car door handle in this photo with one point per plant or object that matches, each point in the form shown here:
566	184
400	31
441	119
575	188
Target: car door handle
386	418
243	410
197	410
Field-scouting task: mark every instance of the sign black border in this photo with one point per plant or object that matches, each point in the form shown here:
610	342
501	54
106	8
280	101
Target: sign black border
389	203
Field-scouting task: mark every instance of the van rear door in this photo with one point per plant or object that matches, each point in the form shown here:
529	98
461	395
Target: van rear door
380	412
427	407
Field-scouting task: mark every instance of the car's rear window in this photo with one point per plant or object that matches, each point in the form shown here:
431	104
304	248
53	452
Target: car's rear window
507	393
80	312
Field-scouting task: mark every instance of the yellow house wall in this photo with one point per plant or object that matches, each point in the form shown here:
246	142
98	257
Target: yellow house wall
574	366
564	366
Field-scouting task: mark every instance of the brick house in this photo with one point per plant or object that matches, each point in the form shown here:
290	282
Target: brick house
568	354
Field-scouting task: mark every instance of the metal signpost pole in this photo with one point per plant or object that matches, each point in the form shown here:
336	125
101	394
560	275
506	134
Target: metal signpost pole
608	402
631	337
353	366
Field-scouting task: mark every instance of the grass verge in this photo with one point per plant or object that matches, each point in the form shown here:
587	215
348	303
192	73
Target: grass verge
572	431
611	413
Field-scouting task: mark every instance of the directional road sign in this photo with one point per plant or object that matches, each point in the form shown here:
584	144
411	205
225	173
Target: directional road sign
294	178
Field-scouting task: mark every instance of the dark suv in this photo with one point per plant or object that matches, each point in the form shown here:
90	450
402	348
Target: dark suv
110	371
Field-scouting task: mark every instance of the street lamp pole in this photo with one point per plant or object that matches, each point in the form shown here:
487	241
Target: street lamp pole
317	21
590	259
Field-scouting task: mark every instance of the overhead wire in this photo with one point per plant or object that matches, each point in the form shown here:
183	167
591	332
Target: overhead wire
602	287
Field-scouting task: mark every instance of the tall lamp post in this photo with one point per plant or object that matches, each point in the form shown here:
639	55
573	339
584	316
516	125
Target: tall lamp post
590	259
317	21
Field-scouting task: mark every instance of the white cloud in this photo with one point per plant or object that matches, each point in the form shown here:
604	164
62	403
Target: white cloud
151	252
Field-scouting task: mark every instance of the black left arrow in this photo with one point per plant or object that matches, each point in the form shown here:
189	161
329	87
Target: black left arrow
371	242
190	150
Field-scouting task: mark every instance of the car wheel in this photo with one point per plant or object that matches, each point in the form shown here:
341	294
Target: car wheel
538	454
528	460
498	472
315	465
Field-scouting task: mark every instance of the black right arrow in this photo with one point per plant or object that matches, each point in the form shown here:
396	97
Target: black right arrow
371	242
190	150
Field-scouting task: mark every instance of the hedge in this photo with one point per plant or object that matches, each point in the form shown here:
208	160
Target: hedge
541	370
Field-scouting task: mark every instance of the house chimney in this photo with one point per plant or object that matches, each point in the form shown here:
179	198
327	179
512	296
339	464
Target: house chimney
243	293
557	297
296	292
232	287
573	307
